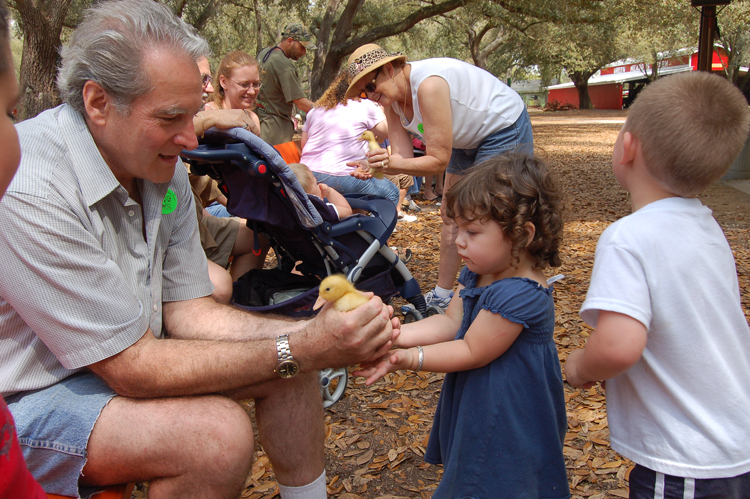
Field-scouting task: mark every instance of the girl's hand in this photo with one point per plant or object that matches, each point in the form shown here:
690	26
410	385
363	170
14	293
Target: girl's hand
324	190
384	351
362	171
396	360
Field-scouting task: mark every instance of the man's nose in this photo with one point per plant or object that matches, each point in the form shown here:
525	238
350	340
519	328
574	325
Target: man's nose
186	137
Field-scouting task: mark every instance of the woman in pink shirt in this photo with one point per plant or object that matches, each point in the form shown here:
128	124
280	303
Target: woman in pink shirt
331	145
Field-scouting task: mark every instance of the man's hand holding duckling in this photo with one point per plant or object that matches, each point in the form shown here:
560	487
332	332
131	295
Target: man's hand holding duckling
337	339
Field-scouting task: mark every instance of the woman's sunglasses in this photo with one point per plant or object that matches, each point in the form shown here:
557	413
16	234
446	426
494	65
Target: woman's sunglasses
370	87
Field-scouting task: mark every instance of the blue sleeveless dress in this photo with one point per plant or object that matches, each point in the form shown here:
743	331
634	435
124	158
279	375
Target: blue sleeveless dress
499	429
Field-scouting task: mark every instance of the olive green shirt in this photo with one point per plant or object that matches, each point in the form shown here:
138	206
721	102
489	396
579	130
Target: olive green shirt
276	100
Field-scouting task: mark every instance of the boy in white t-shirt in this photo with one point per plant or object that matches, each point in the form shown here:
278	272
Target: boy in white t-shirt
671	337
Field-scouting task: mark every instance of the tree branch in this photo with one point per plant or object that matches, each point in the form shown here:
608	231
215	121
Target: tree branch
380	32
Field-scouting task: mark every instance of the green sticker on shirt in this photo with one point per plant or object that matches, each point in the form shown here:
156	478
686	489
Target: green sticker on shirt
420	127
169	204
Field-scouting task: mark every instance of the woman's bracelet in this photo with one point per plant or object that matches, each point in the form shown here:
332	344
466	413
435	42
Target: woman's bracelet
203	124
421	358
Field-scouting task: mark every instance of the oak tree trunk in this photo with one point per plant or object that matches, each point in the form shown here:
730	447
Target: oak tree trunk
42	21
581	82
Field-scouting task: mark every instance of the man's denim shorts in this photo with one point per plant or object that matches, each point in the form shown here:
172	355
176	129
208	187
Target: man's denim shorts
518	135
54	425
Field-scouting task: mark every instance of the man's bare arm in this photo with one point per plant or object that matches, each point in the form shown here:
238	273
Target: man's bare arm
192	362
303	103
204	319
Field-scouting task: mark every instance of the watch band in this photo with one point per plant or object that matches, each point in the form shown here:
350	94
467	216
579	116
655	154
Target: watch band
286	365
282	348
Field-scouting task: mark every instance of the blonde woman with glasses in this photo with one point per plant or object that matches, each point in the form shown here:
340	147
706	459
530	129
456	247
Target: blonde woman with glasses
236	86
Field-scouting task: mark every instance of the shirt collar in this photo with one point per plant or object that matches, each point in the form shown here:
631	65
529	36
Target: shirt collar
94	175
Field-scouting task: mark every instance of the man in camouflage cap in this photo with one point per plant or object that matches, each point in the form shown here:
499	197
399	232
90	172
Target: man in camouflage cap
281	89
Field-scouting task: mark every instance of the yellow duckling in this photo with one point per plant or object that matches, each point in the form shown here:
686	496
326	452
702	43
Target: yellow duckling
343	294
372	144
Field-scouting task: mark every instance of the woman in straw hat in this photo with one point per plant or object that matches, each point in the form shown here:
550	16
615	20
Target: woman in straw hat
462	113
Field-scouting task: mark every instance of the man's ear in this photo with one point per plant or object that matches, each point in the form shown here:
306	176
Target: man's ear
97	102
629	147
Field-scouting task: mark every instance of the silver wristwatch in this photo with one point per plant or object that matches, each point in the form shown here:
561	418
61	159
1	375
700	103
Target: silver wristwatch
286	366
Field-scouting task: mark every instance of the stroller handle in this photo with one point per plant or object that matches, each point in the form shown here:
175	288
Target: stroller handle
237	154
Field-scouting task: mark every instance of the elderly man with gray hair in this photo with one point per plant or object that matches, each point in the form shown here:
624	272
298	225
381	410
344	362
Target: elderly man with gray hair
116	363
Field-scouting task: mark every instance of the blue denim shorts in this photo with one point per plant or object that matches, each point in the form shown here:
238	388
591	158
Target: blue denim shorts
518	135
54	425
351	185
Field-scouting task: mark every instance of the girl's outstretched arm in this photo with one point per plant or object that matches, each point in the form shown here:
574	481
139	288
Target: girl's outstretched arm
431	330
488	337
435	329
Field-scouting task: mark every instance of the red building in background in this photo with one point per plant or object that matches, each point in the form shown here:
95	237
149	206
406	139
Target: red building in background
615	86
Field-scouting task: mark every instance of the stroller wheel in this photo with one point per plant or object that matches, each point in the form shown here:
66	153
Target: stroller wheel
332	385
434	310
412	315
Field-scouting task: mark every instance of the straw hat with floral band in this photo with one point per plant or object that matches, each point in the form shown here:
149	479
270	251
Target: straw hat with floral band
365	60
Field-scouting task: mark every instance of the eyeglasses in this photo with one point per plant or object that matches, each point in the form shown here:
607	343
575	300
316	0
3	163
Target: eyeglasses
246	85
206	79
370	87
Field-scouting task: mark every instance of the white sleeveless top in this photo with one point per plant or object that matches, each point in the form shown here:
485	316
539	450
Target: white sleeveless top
480	103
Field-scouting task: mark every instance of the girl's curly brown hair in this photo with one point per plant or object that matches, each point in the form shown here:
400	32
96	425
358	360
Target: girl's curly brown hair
335	94
512	189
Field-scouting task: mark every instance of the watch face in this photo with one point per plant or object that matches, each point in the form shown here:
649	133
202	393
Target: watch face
287	369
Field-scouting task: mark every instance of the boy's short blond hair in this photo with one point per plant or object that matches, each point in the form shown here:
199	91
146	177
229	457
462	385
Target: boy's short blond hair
304	175
691	127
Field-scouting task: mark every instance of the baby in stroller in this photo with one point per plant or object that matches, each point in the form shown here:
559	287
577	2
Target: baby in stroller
311	186
263	189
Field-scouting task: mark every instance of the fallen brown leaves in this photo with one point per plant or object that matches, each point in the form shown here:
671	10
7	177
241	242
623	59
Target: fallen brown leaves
376	436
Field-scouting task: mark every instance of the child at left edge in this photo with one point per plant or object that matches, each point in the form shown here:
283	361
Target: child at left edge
15	479
500	422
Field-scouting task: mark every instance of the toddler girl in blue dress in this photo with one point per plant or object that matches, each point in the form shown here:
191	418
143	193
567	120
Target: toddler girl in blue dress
500	422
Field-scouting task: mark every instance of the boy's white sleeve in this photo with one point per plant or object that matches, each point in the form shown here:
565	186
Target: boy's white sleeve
618	284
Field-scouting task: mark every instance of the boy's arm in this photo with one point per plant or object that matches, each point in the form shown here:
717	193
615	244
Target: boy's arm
336	199
613	347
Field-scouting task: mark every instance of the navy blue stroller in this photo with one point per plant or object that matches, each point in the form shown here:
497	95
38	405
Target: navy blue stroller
261	188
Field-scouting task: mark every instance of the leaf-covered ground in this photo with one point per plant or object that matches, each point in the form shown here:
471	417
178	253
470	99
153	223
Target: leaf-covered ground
376	435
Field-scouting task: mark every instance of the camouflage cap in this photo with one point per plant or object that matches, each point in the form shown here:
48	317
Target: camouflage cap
296	31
